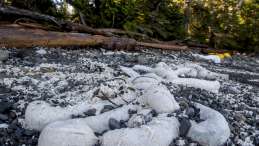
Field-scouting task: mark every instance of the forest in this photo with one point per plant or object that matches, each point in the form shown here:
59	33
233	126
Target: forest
221	24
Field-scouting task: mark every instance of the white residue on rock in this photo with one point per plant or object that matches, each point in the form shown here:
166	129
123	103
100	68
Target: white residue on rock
159	98
100	123
159	132
4	126
213	58
41	51
213	131
193	73
67	133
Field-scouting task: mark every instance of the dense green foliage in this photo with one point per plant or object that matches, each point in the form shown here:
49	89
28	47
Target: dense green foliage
156	18
227	24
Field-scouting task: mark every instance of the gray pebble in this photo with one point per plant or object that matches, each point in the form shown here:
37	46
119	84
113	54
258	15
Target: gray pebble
107	108
90	112
114	124
4	55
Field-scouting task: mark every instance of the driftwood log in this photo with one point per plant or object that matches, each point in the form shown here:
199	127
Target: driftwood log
18	36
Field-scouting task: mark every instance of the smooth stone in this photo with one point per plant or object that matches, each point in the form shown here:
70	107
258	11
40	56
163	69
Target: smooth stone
190	112
4	55
131	112
114	124
212	131
29	132
12	115
90	112
67	133
107	108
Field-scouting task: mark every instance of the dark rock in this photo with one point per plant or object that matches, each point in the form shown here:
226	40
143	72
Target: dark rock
190	112
147	118
114	124
29	132
123	124
256	140
5	107
107	108
90	112
19	132
12	115
185	126
154	113
4	55
131	112
3	117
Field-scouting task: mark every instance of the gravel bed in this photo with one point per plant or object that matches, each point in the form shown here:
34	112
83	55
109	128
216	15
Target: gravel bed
65	77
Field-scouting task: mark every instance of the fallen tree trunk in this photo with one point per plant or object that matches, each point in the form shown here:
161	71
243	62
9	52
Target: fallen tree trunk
16	36
10	11
17	13
19	37
162	46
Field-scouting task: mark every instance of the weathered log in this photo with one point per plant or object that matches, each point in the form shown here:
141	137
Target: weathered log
127	33
17	36
21	13
162	46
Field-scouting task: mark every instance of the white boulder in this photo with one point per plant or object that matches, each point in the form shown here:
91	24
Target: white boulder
159	132
67	133
100	123
159	98
214	131
38	114
213	58
194	71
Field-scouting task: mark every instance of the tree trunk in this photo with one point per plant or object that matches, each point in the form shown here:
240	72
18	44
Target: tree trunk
20	37
22	13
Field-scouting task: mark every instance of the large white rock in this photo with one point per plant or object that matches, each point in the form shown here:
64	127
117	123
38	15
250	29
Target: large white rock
144	82
191	70
214	131
213	58
212	86
159	98
38	114
197	71
67	133
159	132
100	123
155	95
